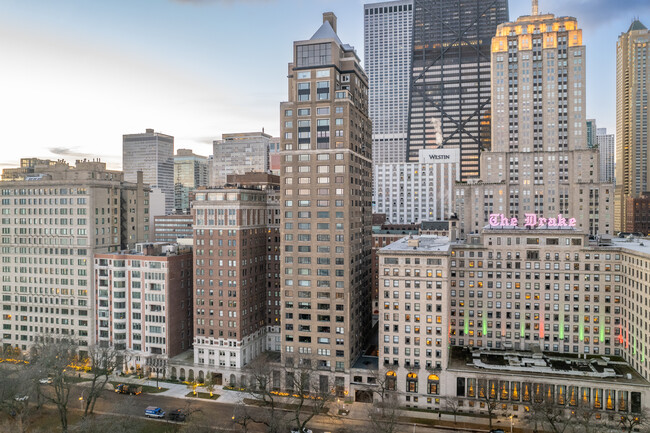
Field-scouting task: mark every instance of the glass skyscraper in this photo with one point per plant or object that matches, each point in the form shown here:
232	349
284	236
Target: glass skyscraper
450	77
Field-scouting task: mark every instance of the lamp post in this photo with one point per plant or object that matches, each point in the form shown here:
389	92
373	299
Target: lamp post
511	422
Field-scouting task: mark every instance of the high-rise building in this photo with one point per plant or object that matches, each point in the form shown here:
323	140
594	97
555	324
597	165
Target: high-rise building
411	192
607	148
388	30
238	154
326	207
53	223
143	301
592	130
152	153
237	262
274	156
539	163
190	172
632	123
450	77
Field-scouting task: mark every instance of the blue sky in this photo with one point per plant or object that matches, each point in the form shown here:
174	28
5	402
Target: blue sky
78	74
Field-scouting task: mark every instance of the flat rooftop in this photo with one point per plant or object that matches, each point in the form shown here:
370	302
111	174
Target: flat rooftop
597	368
425	243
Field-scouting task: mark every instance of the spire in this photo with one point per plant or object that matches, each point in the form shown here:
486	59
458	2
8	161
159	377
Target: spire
535	7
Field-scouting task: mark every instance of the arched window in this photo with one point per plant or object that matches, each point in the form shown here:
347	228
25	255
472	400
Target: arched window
412	382
391	381
433	384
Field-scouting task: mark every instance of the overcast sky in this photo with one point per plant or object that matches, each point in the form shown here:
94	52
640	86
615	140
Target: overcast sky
77	74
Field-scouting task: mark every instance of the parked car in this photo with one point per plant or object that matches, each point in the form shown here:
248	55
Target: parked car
497	430
176	415
45	380
305	430
154	412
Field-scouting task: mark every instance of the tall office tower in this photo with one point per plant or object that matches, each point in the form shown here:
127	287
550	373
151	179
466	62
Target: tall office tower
326	206
52	224
632	126
190	172
388	29
143	302
592	129
450	78
607	147
238	154
152	153
539	162
236	256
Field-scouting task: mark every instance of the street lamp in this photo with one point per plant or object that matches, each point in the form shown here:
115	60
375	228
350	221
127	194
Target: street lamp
511	422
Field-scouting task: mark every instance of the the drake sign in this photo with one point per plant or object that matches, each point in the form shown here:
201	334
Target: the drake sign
531	220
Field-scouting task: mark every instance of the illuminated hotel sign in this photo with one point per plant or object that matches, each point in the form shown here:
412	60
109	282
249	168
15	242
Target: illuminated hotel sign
531	220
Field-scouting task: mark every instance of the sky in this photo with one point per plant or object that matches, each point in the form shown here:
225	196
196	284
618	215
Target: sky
77	74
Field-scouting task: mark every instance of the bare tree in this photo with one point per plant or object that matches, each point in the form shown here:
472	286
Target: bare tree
102	362
55	357
549	415
209	383
488	397
384	415
384	386
629	422
16	389
453	405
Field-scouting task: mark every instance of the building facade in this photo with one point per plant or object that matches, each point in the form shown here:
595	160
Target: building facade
53	222
152	153
143	302
237	259
539	162
450	77
238	154
388	31
632	123
170	228
190	172
509	305
607	149
592	130
326	207
411	192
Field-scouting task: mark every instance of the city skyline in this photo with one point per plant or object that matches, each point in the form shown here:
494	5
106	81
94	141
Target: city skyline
102	72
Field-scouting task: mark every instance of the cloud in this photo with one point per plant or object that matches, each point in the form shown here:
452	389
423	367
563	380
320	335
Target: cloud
68	152
596	13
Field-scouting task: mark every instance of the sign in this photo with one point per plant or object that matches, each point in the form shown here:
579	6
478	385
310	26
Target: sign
439	156
531	220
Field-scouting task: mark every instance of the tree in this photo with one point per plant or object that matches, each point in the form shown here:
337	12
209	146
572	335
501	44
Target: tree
489	397
192	385
549	415
631	421
453	405
16	390
209	383
307	394
54	357
384	415
102	362
384	386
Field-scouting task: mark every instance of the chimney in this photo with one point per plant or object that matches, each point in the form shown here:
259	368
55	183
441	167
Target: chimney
149	131
331	18
535	7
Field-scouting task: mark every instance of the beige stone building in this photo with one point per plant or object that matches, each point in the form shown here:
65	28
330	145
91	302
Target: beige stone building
53	222
326	206
632	123
539	162
514	304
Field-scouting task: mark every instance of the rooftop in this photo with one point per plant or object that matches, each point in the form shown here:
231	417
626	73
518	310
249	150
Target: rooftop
424	243
536	363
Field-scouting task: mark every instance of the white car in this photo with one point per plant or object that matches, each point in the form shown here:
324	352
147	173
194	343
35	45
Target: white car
305	430
45	380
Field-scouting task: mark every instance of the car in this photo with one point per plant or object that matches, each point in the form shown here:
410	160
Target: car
22	398
154	412
497	430
45	380
305	430
176	415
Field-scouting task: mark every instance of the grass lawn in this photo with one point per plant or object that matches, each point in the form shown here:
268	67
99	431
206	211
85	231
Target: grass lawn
205	395
145	388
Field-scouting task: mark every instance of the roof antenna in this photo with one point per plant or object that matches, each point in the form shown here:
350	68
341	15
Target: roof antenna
535	7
